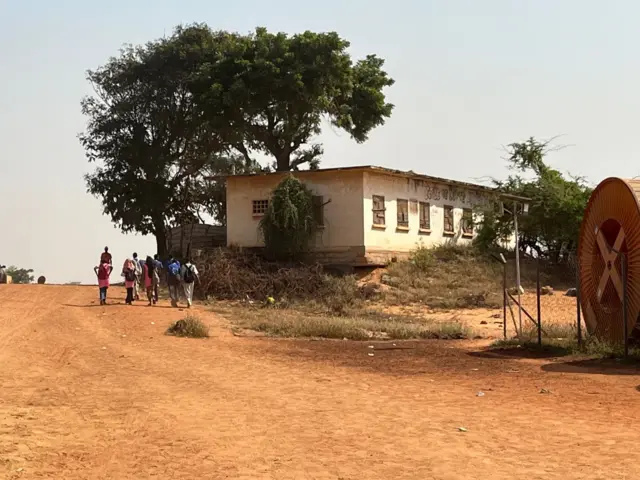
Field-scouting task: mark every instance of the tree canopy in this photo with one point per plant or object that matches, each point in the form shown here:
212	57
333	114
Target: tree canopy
552	225
268	93
147	137
170	118
20	275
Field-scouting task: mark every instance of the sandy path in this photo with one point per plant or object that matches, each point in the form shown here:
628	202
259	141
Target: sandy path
92	392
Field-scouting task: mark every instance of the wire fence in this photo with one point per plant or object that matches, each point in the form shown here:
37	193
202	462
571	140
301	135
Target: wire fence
546	304
560	299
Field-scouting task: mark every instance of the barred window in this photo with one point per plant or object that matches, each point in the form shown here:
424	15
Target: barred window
260	207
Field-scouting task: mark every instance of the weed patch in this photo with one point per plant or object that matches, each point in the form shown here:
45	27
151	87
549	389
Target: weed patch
190	326
308	324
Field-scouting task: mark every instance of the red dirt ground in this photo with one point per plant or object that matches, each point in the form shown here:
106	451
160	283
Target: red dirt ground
91	392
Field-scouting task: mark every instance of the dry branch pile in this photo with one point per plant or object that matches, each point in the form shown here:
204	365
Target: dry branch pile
233	275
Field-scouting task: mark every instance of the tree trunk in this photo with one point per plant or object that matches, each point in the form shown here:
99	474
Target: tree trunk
161	239
283	162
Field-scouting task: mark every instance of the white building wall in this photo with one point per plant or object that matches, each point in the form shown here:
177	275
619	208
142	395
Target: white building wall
343	215
390	238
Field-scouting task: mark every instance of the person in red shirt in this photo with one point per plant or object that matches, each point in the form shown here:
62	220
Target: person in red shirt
105	257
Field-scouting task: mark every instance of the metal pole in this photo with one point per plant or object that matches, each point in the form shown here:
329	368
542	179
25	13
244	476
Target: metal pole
504	300
578	305
625	328
538	300
515	222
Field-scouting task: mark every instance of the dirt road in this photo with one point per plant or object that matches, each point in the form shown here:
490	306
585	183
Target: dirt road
91	392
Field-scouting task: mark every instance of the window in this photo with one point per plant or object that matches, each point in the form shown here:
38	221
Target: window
378	210
260	207
318	210
448	219
425	216
402	207
467	222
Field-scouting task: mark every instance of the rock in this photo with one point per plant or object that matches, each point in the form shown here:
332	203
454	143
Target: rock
496	315
572	292
546	290
483	322
514	290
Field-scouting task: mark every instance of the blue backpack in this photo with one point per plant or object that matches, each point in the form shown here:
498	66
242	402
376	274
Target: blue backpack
174	269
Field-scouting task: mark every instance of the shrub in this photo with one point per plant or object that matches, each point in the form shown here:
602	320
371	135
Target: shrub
190	326
422	258
233	275
288	225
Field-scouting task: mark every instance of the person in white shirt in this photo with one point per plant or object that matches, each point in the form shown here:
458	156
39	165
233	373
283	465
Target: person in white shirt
189	274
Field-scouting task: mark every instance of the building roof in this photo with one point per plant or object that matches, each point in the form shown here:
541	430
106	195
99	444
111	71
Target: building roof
397	173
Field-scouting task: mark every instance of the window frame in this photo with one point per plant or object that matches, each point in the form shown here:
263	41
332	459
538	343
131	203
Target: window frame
402	225
445	209
376	211
424	207
467	214
257	212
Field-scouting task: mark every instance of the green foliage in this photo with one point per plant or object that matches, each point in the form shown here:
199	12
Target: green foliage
147	136
211	193
268	93
556	209
288	225
422	257
20	275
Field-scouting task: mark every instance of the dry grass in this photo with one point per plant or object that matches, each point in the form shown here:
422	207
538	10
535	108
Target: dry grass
190	326
447	277
307	323
567	344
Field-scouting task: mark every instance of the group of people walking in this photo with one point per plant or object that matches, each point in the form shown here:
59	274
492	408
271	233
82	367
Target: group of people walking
144	275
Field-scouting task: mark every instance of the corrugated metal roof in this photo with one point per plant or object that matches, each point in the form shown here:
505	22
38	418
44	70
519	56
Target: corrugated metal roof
392	172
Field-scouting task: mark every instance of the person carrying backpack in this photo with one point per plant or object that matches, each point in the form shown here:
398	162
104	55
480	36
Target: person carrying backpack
150	276
129	274
189	274
103	271
173	280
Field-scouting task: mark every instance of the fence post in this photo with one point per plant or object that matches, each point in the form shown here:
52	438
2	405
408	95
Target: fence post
625	326
578	306
504	300
538	301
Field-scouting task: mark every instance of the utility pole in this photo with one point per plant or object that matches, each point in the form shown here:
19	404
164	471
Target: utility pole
515	223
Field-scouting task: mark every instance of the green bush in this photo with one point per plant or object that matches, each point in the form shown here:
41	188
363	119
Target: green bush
288	225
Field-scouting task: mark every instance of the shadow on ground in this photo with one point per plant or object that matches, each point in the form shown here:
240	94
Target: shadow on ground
514	353
594	367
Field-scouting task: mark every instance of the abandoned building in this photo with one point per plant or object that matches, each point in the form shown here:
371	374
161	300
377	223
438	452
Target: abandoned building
366	215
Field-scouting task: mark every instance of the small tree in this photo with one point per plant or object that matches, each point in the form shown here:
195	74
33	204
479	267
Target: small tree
20	275
288	225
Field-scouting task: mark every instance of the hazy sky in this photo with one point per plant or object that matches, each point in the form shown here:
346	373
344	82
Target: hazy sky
470	76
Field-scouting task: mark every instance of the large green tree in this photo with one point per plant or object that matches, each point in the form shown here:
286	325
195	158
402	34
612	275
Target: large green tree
268	93
20	275
147	137
552	225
